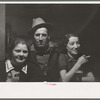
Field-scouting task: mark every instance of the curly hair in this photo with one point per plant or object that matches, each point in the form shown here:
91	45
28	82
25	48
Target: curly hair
66	40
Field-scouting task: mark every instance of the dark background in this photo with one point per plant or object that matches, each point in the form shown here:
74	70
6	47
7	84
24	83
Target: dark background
83	19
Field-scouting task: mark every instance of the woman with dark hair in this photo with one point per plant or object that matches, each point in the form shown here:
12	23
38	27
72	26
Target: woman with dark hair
17	66
74	68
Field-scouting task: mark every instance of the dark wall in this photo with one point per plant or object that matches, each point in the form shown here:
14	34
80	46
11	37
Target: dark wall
2	31
64	17
83	19
90	43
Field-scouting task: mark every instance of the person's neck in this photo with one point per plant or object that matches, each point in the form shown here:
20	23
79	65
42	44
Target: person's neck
71	56
16	65
41	50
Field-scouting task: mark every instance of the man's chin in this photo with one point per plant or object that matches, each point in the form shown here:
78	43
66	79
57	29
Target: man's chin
40	46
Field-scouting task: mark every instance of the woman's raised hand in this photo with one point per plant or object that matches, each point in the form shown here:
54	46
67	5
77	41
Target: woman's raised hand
83	59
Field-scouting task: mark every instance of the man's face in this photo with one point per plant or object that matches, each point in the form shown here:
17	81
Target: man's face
73	45
20	53
41	37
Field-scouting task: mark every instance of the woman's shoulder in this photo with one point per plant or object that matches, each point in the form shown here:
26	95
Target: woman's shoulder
63	59
63	55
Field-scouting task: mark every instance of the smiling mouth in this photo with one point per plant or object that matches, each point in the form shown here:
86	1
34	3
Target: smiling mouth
75	50
21	58
20	61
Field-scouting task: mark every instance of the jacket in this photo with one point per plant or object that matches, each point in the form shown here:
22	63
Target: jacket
23	77
52	67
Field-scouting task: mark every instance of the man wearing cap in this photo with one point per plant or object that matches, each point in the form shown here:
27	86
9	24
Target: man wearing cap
44	53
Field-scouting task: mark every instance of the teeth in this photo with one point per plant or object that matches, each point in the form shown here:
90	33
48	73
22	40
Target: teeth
21	58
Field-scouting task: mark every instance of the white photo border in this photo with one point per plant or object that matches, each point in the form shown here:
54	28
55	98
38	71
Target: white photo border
50	89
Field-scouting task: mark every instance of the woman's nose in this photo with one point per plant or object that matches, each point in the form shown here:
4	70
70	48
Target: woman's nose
21	53
76	46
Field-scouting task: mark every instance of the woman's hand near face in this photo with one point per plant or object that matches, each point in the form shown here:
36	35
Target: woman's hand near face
83	59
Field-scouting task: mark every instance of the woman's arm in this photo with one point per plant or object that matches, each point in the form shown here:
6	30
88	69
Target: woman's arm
88	78
66	76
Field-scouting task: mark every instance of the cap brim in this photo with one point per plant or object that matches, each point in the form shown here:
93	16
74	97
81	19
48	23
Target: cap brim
46	25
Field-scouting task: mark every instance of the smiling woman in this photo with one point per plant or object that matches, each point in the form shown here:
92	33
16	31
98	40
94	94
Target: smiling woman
73	68
20	53
16	67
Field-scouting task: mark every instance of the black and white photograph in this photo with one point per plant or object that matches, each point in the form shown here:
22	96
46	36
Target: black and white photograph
50	43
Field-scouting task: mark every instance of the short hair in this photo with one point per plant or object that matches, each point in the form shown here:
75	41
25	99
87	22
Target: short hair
15	42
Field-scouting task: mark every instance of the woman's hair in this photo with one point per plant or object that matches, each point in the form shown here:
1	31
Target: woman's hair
66	40
15	42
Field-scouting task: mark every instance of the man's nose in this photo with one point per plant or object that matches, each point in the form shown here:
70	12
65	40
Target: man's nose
41	37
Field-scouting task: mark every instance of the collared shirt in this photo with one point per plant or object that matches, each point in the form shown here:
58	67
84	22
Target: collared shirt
12	75
43	59
9	67
66	63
